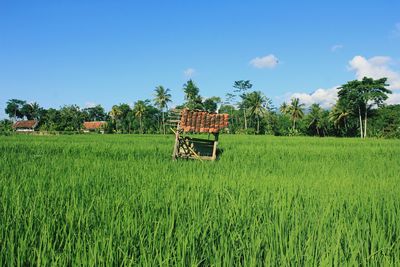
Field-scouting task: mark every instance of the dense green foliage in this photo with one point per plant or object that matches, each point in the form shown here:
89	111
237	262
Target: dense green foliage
5	127
120	199
251	112
357	97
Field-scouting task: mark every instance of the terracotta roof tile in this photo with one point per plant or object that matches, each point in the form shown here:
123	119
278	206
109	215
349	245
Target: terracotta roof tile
93	125
25	124
203	122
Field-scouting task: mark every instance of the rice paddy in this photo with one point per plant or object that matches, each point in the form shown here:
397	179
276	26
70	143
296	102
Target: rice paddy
120	200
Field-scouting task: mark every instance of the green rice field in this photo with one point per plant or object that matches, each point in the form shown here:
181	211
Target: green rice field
97	200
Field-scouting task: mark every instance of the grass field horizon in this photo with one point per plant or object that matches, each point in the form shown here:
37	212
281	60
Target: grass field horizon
120	199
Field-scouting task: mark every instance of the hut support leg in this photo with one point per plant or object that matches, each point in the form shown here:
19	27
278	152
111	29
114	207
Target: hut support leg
214	153
176	146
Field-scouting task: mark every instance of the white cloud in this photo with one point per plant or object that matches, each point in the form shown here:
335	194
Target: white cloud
90	105
393	99
269	61
336	47
325	97
375	67
2	112
189	72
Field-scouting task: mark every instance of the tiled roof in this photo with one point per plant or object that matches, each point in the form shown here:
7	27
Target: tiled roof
203	122
93	125
31	124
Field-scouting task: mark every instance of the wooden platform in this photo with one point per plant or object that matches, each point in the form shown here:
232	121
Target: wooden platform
195	148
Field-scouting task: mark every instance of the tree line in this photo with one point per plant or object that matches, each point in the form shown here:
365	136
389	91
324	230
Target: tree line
359	111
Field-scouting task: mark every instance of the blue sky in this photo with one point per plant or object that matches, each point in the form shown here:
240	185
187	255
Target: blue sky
110	52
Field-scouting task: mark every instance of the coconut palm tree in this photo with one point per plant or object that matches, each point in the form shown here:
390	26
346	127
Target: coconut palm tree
284	108
139	110
339	115
257	105
161	100
35	109
115	114
31	111
315	117
295	111
192	95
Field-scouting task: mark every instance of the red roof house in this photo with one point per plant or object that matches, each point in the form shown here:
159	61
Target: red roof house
90	126
25	126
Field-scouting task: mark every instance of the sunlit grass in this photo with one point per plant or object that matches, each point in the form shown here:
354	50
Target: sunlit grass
102	200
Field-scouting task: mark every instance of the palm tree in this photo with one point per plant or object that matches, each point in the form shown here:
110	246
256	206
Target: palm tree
284	108
162	98
115	114
35	110
192	95
295	111
31	111
339	115
315	117
139	110
257	106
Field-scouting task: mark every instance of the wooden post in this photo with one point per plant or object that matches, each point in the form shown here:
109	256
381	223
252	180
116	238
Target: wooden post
214	154
176	146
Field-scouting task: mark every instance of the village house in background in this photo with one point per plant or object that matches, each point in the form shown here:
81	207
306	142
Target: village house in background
94	126
25	126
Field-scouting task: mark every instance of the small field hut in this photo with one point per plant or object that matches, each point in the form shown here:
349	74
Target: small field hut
192	121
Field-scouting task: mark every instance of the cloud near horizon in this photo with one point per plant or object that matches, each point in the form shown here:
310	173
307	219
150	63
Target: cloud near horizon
378	67
269	61
393	99
325	97
328	97
374	67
